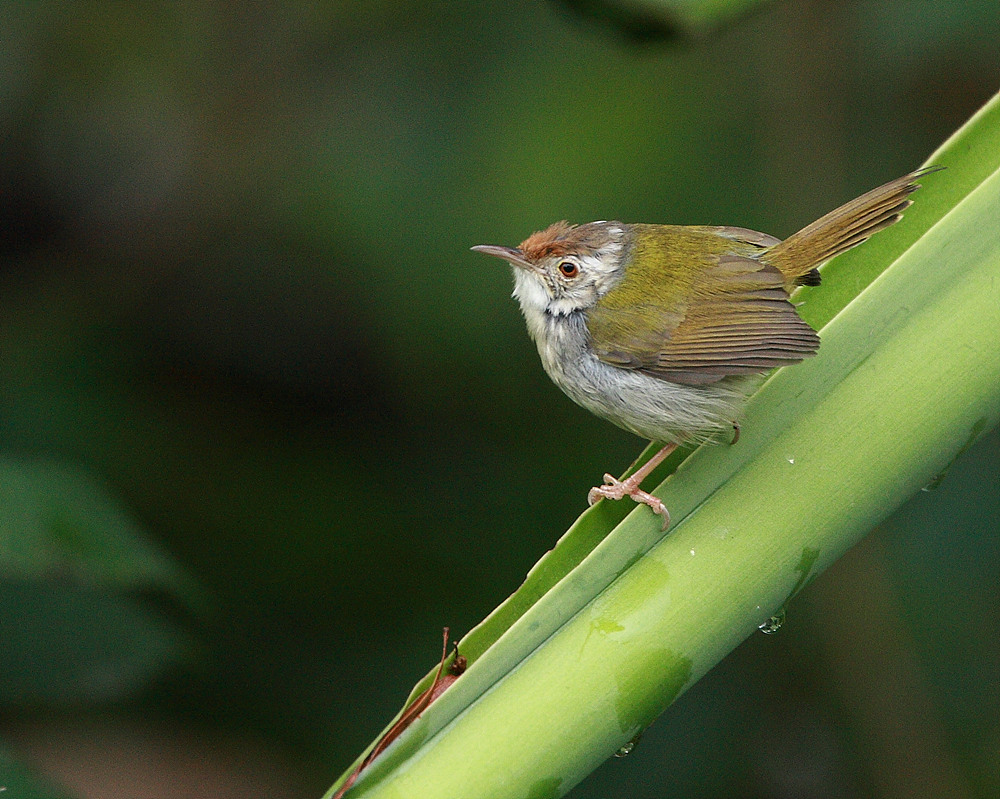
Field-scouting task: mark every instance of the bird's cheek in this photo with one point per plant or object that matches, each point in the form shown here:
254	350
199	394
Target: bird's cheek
529	290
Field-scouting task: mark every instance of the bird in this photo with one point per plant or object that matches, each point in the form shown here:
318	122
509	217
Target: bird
664	330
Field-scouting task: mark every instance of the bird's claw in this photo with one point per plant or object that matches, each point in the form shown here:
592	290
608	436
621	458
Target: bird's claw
614	488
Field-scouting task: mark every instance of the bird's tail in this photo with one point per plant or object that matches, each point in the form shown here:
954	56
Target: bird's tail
798	256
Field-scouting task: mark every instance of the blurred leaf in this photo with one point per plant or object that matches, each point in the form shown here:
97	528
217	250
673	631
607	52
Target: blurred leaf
73	568
829	449
57	520
659	19
68	644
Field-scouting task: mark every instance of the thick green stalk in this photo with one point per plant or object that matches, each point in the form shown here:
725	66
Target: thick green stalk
601	640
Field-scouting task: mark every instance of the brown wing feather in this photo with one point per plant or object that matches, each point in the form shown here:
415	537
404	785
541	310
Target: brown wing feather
736	320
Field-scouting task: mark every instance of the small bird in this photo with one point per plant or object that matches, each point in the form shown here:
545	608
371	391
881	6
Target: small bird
661	329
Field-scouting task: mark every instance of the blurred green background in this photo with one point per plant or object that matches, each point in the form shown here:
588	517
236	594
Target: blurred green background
267	425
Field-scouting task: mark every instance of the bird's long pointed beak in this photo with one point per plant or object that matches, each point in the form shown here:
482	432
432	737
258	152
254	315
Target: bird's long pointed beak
512	255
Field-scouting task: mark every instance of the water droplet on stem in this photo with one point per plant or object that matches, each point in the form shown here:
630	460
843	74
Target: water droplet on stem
773	624
626	749
933	484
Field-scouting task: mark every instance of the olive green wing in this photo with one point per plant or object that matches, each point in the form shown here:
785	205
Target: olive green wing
729	316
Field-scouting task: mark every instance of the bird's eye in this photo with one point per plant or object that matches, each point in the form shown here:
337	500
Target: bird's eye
569	269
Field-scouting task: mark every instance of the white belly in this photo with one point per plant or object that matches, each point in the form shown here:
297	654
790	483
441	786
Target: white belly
647	406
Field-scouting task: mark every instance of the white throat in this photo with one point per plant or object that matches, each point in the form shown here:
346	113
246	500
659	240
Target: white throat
534	301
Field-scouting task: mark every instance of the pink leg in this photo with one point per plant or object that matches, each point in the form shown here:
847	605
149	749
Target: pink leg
629	487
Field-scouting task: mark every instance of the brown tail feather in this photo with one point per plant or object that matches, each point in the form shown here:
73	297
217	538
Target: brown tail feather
798	256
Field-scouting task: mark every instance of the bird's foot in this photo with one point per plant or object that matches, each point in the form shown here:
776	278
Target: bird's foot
614	488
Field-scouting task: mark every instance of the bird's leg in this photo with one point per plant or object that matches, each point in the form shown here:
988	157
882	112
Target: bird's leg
629	487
